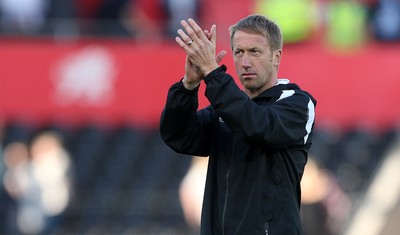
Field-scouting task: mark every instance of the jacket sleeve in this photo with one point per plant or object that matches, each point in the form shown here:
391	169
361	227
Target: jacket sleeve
287	121
182	127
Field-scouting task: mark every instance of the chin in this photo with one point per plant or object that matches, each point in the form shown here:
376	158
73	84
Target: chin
249	85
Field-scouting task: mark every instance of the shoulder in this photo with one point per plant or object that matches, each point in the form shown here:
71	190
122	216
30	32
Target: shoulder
293	89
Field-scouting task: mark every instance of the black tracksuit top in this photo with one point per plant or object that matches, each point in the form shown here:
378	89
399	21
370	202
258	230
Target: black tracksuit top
257	151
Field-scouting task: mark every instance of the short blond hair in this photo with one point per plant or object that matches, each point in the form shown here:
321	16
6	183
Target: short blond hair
259	24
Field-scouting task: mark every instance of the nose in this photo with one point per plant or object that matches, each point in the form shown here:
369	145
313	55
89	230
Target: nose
246	63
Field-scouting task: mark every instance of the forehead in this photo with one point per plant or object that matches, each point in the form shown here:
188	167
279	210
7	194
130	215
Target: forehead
242	39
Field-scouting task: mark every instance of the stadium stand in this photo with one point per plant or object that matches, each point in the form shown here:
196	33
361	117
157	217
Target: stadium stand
126	180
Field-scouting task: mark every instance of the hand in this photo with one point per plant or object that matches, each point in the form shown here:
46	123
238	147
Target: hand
192	76
200	46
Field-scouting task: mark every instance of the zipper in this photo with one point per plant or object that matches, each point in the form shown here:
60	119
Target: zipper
226	201
266	227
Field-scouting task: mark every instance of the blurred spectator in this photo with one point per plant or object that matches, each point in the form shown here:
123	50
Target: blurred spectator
87	8
177	10
139	19
325	207
346	26
298	19
38	180
147	17
51	171
108	17
370	6
23	17
386	20
191	191
61	18
16	161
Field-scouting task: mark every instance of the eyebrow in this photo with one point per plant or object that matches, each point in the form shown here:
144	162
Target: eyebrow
248	49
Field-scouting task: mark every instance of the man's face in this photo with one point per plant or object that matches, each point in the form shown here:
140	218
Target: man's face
255	64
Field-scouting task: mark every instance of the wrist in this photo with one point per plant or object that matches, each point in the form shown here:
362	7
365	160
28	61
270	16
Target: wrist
209	69
190	85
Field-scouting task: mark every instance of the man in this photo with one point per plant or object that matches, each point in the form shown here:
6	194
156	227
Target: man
257	140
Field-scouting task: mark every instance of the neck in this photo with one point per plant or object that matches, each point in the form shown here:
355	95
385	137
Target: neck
255	92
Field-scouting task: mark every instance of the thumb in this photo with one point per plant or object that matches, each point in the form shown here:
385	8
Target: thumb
213	38
220	56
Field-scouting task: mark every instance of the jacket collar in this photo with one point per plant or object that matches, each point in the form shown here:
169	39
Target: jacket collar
276	91
282	81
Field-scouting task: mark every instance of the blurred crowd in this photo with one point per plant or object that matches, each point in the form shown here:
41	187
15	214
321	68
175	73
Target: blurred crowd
36	184
343	22
140	19
58	179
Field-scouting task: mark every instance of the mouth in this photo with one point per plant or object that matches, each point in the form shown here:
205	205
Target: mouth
248	75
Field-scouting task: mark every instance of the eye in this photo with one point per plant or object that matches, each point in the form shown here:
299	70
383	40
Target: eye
255	51
238	52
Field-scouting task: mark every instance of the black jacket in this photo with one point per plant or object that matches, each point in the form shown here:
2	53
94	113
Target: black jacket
257	151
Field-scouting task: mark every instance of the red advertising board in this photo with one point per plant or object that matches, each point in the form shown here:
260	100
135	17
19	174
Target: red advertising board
122	81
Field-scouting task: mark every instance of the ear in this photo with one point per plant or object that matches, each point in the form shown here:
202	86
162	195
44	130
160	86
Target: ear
276	56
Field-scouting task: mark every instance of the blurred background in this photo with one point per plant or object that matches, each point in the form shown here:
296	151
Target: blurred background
83	83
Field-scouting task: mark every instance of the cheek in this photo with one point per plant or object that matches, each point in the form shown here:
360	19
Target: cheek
237	65
266	65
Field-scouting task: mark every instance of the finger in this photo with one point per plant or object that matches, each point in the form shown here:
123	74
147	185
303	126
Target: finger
220	56
197	29
189	30
184	37
213	37
208	34
181	42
